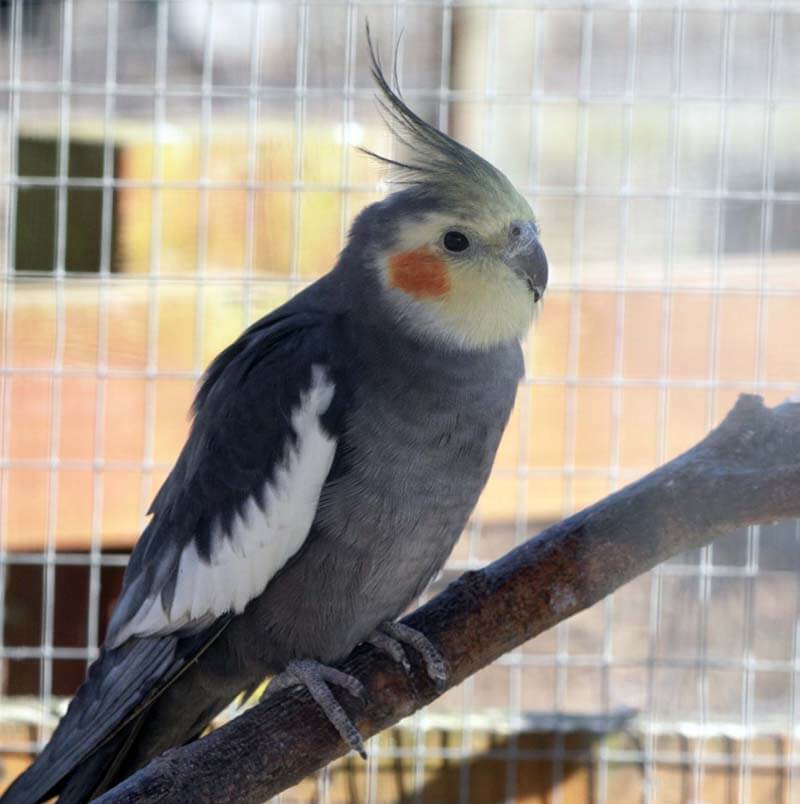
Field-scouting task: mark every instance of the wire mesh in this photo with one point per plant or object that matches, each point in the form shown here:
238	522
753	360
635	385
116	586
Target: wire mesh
174	168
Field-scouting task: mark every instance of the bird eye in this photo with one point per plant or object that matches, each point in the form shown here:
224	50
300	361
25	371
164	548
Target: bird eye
455	241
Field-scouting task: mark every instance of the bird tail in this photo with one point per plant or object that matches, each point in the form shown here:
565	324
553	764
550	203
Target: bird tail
85	781
171	720
141	741
138	700
96	774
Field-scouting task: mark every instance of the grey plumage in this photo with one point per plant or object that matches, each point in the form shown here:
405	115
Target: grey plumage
412	424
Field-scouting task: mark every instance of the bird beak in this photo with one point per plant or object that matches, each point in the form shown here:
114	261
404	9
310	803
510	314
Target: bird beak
526	258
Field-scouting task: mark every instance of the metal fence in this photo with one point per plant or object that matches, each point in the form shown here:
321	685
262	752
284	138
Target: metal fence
171	169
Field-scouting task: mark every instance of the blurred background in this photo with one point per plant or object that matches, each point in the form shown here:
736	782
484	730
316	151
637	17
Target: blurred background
171	170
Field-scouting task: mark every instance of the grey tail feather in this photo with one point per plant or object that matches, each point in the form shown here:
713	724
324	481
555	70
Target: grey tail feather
62	759
132	747
96	773
88	779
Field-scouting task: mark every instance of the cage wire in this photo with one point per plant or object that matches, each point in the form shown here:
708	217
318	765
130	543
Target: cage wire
172	169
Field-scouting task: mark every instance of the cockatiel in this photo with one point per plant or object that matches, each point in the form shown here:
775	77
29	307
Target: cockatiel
337	450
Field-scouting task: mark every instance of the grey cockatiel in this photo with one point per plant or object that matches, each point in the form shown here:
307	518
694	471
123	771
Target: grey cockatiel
337	450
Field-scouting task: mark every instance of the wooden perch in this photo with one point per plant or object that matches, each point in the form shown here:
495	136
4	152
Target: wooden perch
745	472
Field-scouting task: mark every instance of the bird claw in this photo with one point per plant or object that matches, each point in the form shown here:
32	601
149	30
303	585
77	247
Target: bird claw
390	638
316	677
391	647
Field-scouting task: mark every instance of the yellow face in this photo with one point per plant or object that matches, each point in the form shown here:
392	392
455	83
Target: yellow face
472	282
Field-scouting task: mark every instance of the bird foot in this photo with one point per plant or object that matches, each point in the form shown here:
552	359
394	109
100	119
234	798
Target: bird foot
316	677
390	637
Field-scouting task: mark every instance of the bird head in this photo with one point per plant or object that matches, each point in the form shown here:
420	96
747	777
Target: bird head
456	248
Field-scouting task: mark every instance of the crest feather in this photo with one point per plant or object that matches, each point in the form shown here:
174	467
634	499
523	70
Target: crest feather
434	160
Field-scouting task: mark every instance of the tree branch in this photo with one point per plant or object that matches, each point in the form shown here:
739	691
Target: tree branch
745	472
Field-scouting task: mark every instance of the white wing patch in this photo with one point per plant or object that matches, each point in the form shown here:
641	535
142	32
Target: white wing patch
260	541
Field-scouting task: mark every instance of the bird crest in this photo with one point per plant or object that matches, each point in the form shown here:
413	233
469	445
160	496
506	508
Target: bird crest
434	162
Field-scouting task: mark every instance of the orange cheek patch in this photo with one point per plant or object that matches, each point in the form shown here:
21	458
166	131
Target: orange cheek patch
420	273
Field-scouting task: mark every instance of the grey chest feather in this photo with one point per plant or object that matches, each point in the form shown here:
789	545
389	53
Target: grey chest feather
414	458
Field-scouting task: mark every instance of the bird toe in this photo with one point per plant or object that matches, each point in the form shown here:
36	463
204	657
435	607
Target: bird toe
434	661
315	677
347	682
391	647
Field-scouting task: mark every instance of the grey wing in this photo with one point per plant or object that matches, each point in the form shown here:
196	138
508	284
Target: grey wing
238	503
244	492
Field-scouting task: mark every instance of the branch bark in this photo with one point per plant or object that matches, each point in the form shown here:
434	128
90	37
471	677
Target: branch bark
747	471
